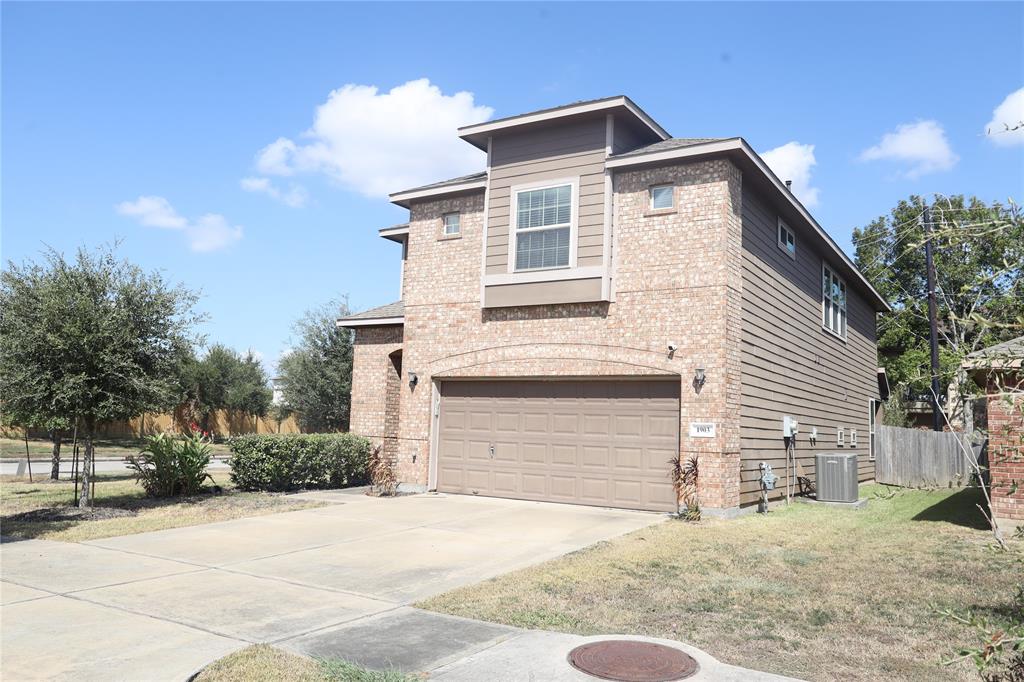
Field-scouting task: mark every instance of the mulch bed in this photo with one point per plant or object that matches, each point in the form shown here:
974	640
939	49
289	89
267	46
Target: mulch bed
70	514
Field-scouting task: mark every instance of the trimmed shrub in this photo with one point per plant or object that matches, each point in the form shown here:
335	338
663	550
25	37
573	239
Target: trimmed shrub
297	461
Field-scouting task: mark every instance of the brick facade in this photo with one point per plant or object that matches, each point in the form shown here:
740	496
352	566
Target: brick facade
677	281
1006	449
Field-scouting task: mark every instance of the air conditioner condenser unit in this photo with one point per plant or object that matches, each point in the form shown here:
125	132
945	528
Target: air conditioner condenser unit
836	474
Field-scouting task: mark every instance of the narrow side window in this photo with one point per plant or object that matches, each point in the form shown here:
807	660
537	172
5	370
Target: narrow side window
786	240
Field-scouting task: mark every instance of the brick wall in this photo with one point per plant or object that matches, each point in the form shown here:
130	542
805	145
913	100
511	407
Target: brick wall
677	281
1006	448
372	373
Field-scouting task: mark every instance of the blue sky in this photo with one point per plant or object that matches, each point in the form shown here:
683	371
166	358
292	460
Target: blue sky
191	130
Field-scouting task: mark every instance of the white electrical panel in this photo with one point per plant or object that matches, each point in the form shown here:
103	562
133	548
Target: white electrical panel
790	426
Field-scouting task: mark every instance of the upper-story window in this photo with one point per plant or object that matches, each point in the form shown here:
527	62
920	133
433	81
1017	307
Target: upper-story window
543	227
833	302
787	242
661	197
451	226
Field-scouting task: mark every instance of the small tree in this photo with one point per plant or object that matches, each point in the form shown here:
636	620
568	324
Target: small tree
92	340
224	380
317	376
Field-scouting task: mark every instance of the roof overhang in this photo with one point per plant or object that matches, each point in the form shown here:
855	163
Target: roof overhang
477	134
397	233
403	198
371	322
738	149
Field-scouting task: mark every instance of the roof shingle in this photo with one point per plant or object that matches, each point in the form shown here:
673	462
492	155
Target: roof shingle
396	309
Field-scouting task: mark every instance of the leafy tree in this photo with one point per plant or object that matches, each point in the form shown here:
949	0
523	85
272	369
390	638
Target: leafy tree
91	340
317	375
978	251
248	391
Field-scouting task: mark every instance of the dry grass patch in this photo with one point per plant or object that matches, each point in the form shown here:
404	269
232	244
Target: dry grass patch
267	664
812	592
44	509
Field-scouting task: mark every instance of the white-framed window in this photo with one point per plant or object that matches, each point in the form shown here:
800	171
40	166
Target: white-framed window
543	226
451	225
786	239
840	440
662	197
833	302
853	438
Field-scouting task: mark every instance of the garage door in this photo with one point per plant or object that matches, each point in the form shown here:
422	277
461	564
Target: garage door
604	443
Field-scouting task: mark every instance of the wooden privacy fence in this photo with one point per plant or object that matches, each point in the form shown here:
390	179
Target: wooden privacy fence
915	458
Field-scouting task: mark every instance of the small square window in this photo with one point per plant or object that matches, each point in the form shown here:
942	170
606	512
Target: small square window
787	242
661	197
451	224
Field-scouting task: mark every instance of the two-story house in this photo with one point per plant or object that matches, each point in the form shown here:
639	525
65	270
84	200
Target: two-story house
603	299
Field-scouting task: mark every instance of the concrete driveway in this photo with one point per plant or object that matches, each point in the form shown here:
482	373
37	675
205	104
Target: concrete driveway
159	606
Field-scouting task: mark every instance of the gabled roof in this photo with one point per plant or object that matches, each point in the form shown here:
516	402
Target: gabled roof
381	316
478	133
463	183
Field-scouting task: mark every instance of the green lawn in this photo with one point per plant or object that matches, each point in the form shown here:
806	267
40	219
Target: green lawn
41	449
810	591
267	664
44	509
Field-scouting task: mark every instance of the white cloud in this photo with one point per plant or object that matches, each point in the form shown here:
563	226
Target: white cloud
377	143
296	196
922	144
209	232
1007	125
793	161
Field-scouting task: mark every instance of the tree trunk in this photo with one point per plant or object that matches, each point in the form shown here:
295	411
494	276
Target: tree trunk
83	493
55	436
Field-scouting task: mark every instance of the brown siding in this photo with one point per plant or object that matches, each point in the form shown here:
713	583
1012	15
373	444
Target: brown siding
791	365
626	139
543	293
573	150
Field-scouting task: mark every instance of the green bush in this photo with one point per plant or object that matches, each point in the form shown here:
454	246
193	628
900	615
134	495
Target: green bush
282	462
167	467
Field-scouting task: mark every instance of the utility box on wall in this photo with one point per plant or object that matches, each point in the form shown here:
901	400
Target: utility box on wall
836	474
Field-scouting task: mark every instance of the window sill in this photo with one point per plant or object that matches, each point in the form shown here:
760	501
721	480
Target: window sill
833	334
544	275
652	212
449	237
783	249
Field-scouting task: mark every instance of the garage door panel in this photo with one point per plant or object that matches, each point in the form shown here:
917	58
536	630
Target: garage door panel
534	484
595	456
478	451
507	422
663	426
562	423
601	442
563	455
628	493
535	453
535	422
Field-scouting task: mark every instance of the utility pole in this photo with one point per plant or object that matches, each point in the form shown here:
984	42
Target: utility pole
933	338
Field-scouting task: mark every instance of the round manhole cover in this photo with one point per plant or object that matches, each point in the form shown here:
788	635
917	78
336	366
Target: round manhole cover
627	661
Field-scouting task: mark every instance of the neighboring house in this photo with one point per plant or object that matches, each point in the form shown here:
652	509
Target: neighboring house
1000	369
604	299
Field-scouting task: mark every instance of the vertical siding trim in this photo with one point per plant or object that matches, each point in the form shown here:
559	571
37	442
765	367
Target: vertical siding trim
606	245
483	236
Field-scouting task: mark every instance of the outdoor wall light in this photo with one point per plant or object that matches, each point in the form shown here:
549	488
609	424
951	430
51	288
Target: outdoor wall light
413	379
698	377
